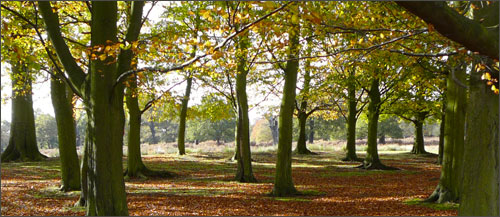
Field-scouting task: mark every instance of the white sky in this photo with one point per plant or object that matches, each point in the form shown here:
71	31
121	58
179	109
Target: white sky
42	101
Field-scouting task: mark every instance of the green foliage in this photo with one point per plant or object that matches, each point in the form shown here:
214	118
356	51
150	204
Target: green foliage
203	130
46	131
261	133
389	126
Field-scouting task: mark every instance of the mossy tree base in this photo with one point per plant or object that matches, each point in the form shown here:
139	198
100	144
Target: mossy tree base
145	173
245	179
441	195
285	192
67	188
419	152
11	154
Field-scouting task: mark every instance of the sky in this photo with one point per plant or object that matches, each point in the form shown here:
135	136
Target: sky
43	103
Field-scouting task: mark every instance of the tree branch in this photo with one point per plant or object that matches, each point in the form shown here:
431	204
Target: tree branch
196	58
456	27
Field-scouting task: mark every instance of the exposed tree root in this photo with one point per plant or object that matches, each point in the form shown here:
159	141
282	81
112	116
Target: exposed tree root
245	179
418	151
80	202
441	195
376	166
145	172
12	154
304	152
65	188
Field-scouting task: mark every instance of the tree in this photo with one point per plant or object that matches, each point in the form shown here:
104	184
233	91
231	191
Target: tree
103	101
62	100
480	185
22	142
46	130
283	184
261	132
449	186
483	109
388	126
473	34
244	172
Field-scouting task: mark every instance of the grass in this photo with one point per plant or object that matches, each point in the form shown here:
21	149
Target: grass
54	192
292	199
436	206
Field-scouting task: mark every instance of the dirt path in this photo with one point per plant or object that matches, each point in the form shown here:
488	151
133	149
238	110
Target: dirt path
204	187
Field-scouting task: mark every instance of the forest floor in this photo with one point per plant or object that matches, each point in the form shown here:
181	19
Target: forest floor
204	186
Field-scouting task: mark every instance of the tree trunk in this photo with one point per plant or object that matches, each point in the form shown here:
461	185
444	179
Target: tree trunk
134	160
283	183
441	136
103	102
244	172
135	166
106	119
449	187
301	143
84	171
22	142
311	131
62	97
273	125
381	139
182	122
372	160
237	141
418	145
152	127
351	120
480	192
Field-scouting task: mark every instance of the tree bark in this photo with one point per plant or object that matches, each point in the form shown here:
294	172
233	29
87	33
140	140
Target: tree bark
152	127
273	125
480	193
481	180
62	97
22	141
244	172
381	139
135	166
372	160
84	172
441	135
449	187
134	160
182	117
474	35
418	144
283	183
103	102
301	142
351	120
311	131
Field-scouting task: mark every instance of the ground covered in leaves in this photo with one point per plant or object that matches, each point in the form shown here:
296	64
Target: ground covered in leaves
204	186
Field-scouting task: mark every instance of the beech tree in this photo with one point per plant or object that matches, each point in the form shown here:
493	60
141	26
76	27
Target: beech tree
283	183
476	199
62	100
22	142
